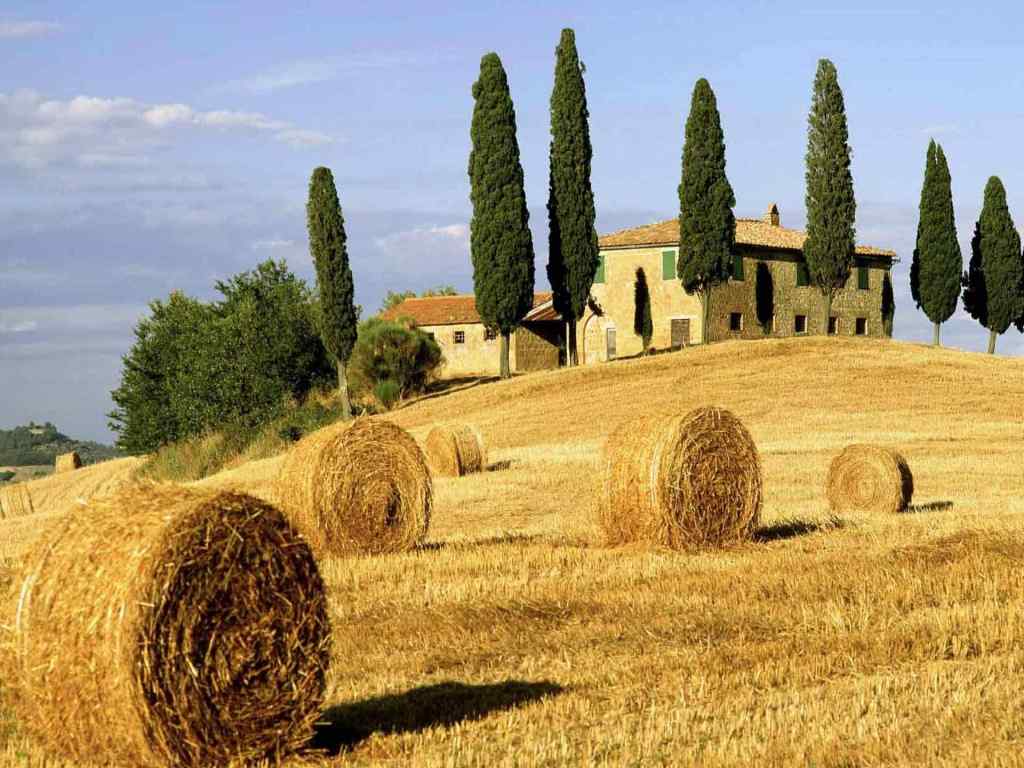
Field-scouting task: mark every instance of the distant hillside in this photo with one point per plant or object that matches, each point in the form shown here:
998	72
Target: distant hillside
39	444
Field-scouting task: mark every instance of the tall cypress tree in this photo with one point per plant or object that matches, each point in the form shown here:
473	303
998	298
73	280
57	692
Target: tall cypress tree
831	208
994	283
707	226
500	242
338	316
643	326
937	255
764	297
572	238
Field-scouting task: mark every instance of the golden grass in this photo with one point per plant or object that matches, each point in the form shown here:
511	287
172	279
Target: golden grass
513	639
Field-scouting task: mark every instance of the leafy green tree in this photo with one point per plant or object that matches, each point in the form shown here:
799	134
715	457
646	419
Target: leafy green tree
395	352
643	326
501	245
707	225
394	298
994	283
937	265
764	294
333	275
572	239
831	208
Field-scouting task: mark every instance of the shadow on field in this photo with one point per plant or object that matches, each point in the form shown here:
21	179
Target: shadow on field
450	386
500	466
343	726
790	529
490	541
931	506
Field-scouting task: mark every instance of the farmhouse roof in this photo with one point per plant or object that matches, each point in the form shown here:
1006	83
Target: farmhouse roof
449	310
762	233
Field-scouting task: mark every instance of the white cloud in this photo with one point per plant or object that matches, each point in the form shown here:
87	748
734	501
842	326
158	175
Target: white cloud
450	234
17	326
92	131
319	70
272	245
21	29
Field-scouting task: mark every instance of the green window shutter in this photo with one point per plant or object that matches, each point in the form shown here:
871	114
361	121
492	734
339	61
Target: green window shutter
803	277
668	265
737	266
863	280
599	275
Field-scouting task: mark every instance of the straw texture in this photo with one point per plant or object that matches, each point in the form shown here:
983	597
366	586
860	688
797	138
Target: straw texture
357	487
682	481
15	501
869	478
168	626
67	462
454	450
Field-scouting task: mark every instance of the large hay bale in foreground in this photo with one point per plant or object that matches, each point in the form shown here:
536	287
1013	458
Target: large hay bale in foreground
454	450
168	626
359	486
68	462
869	478
15	501
682	481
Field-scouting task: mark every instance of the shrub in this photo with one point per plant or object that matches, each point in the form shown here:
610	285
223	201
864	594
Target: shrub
394	351
6	475
387	393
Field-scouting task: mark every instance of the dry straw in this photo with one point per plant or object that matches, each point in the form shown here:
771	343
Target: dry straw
68	462
168	626
360	486
682	481
15	501
454	450
869	478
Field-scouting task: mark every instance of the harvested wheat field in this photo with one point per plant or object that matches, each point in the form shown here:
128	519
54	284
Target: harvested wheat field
514	638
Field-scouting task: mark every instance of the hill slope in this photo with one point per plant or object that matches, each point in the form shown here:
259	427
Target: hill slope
40	444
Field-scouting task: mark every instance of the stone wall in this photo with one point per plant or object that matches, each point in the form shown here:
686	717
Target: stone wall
536	345
532	348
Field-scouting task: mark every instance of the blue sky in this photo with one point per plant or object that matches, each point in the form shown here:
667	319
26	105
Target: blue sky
143	151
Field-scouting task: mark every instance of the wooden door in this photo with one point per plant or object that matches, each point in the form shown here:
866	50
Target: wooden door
680	332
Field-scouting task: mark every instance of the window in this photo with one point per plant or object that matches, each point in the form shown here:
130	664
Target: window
735	321
668	265
737	266
490	334
803	277
459	337
599	275
863	279
862	326
833	326
800	324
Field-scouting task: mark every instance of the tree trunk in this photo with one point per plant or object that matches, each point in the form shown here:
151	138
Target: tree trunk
705	325
935	336
572	358
504	370
346	405
828	311
992	342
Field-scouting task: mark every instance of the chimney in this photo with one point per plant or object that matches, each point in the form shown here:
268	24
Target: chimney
772	216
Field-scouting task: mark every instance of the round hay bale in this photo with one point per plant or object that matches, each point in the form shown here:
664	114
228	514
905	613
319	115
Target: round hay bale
358	486
68	462
682	481
454	450
168	626
15	501
869	478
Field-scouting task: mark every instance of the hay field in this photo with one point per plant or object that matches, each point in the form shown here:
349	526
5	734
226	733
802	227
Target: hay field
514	638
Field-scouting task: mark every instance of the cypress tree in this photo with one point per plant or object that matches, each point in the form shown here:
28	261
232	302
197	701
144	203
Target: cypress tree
937	255
994	283
572	238
888	305
643	326
500	242
707	226
338	316
831	208
764	294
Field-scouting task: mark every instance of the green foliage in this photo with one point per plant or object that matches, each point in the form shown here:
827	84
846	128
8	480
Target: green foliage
707	226
327	239
6	475
938	263
572	238
643	326
994	283
39	444
831	208
388	350
764	294
393	298
388	392
888	305
197	367
500	241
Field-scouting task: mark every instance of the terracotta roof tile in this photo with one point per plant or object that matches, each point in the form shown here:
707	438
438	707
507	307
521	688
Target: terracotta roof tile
445	310
756	232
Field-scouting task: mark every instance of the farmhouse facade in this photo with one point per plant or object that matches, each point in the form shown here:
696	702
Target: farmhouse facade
769	278
470	349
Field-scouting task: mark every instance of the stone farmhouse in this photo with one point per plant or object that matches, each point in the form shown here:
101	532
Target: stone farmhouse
765	251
